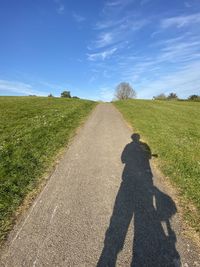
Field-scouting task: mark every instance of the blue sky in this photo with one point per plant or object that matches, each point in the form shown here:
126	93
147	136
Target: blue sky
89	46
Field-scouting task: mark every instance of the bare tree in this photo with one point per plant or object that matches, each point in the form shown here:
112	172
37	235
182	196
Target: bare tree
124	91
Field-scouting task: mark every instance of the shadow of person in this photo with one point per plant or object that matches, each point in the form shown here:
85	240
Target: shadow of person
138	199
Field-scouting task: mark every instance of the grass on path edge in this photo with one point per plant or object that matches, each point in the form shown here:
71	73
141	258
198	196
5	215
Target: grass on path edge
172	130
33	132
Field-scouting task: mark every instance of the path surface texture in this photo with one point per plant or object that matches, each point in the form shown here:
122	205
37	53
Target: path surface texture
103	207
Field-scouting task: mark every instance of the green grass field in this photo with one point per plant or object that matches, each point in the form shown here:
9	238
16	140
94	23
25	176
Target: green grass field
32	132
172	129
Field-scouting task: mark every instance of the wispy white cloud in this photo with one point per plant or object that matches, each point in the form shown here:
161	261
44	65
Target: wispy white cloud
112	32
176	56
180	21
78	18
60	8
136	24
106	24
92	79
187	4
113	27
102	55
184	82
113	3
181	52
179	49
19	88
143	2
104	39
116	5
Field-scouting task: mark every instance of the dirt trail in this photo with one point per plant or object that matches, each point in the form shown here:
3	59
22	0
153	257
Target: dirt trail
102	207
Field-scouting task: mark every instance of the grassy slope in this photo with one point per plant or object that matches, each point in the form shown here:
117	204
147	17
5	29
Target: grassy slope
32	131
172	129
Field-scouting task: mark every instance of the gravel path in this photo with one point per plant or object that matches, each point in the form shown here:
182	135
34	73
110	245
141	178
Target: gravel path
102	207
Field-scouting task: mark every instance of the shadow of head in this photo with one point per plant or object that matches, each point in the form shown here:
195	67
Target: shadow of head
135	137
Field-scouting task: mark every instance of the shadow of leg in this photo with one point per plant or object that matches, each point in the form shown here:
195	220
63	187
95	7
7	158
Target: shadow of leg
116	233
